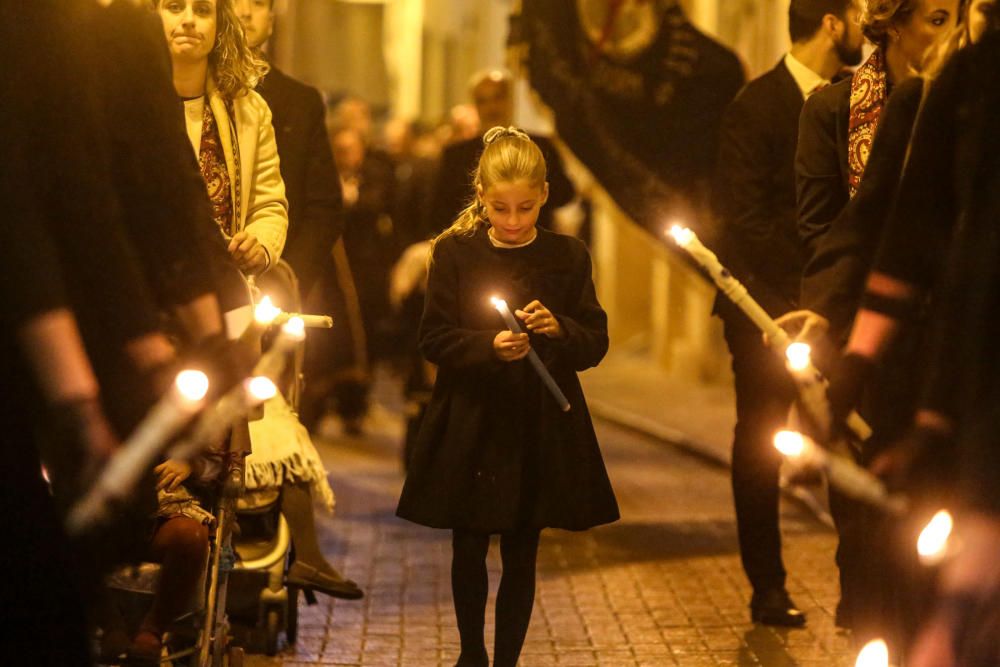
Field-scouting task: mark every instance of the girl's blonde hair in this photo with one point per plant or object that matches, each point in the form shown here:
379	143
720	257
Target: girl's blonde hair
508	155
233	65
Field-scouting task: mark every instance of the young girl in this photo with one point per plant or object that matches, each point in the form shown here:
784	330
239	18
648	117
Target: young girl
495	454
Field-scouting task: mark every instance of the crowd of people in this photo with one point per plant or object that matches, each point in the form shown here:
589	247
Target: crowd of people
854	207
163	175
162	178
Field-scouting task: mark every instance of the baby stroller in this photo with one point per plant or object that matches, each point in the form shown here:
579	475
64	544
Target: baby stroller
260	604
200	636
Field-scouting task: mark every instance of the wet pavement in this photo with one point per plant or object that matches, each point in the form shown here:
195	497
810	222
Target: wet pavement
663	586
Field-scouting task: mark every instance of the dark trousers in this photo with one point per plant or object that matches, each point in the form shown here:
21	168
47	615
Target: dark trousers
764	394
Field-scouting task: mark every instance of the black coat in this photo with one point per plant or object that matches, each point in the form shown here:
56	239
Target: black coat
821	170
453	188
944	230
495	453
312	184
754	190
833	280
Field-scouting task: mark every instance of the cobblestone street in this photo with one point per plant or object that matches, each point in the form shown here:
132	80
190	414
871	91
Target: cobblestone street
661	587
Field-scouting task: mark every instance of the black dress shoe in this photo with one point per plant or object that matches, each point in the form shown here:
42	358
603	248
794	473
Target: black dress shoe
309	578
775	607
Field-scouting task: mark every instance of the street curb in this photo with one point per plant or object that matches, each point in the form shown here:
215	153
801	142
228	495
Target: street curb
680	440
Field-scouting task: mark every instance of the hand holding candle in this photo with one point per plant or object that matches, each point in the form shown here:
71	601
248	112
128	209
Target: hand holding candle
811	383
181	402
540	368
842	473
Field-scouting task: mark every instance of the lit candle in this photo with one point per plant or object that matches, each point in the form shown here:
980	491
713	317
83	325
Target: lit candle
272	362
181	402
932	545
811	383
874	654
265	313
212	426
842	473
543	372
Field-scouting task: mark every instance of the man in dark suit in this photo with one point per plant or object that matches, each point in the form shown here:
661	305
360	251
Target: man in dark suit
312	185
755	199
493	94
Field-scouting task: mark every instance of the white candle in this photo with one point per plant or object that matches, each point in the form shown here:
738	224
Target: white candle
214	423
540	368
272	362
811	383
842	473
181	402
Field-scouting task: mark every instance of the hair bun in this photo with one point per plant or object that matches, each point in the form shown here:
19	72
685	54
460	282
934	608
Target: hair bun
499	132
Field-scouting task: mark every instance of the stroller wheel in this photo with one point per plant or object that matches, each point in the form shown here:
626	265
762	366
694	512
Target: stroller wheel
234	657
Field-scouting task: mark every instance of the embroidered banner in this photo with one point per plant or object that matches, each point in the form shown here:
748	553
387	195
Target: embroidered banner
638	95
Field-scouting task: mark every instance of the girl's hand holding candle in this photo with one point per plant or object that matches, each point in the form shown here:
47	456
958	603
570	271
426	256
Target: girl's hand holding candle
510	346
539	319
513	346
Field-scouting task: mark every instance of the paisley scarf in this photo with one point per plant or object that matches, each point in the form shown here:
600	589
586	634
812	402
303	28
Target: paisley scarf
869	89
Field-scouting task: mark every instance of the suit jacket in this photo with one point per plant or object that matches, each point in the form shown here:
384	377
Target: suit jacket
263	209
454	182
754	190
312	184
821	169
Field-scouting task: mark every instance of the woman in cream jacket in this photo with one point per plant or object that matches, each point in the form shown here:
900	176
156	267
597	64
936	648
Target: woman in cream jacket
229	125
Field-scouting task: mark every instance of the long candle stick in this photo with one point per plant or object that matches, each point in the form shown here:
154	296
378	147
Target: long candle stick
214	423
842	473
540	368
181	402
811	383
272	362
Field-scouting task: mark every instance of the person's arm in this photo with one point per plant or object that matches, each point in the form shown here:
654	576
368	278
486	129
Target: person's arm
443	340
820	185
267	208
585	327
319	219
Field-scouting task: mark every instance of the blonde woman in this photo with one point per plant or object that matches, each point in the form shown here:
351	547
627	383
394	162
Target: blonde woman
229	126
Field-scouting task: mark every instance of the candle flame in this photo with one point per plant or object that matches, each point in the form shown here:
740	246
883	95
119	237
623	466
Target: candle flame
192	385
874	654
799	356
266	312
790	443
295	327
933	541
497	302
261	388
682	235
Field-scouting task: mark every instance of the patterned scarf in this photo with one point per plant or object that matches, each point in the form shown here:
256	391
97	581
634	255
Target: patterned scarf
212	160
869	89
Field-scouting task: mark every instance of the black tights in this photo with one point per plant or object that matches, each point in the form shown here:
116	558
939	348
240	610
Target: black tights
470	587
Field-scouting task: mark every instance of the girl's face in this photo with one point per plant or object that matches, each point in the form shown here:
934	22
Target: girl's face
931	20
512	208
190	27
980	14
